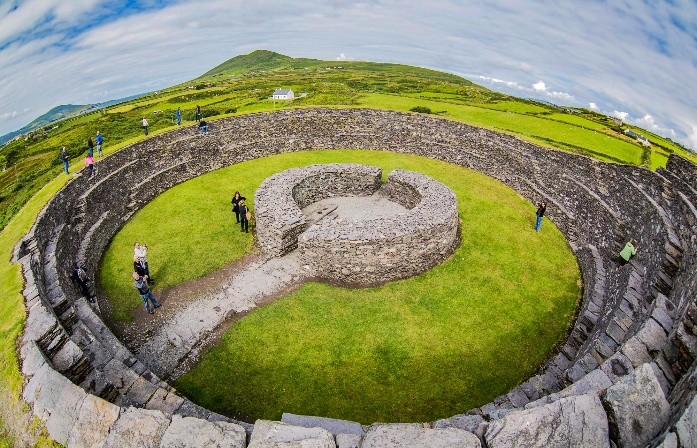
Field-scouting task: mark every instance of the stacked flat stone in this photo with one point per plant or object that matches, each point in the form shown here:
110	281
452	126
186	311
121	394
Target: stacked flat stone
280	198
626	375
358	253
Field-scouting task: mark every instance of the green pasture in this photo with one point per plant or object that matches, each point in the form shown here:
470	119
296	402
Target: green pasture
537	129
515	106
412	350
577	121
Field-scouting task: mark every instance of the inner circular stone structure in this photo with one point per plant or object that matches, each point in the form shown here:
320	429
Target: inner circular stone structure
415	228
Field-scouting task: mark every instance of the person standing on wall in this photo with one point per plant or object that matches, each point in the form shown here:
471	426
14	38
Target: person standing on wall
245	215
98	140
541	208
141	284
79	276
65	157
198	113
89	163
90	147
145	126
179	116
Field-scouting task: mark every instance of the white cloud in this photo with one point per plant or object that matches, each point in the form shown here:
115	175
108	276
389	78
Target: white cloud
13	114
621	115
510	84
29	14
342	57
593	106
691	139
540	87
647	122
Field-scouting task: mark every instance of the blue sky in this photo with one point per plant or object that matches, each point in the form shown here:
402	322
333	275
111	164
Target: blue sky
633	59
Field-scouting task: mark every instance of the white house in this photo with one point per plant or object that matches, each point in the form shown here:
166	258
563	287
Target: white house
283	94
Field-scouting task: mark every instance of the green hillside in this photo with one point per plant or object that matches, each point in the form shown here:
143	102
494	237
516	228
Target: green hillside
53	115
244	84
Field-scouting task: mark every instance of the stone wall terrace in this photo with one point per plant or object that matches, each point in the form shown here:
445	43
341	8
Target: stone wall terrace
634	341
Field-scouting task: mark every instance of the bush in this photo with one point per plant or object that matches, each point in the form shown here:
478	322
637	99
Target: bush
421	109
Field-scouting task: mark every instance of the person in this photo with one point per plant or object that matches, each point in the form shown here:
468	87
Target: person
141	285
145	125
79	276
89	162
203	126
64	158
244	220
179	116
198	113
141	252
139	266
235	204
90	147
541	208
628	251
98	140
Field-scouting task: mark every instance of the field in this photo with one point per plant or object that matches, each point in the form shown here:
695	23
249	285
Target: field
366	354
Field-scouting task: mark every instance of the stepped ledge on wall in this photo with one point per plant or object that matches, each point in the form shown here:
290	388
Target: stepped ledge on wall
626	374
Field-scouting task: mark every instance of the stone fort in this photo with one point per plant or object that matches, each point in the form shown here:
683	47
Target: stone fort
625	376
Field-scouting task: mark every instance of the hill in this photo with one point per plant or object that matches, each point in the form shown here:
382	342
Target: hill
244	84
55	114
268	61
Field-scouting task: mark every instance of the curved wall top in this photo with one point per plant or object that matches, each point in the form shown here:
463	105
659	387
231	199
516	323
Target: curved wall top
635	325
366	252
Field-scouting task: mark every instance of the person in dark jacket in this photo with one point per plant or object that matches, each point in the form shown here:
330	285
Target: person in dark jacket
139	266
235	204
90	147
244	221
141	284
541	208
64	158
79	276
198	113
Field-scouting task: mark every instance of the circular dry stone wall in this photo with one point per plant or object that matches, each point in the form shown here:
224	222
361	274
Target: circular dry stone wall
358	252
625	376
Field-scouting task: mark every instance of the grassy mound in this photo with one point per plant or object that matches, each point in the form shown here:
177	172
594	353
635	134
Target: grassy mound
413	350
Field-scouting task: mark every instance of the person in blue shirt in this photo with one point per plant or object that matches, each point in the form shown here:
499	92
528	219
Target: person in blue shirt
98	141
179	116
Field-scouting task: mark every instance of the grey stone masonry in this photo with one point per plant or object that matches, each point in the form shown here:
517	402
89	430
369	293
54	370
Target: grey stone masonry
353	252
280	198
631	316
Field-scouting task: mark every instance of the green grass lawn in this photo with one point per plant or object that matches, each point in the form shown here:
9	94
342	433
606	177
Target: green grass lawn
12	314
412	350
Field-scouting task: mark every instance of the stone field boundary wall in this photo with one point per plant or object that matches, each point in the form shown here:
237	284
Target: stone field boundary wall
626	373
379	250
